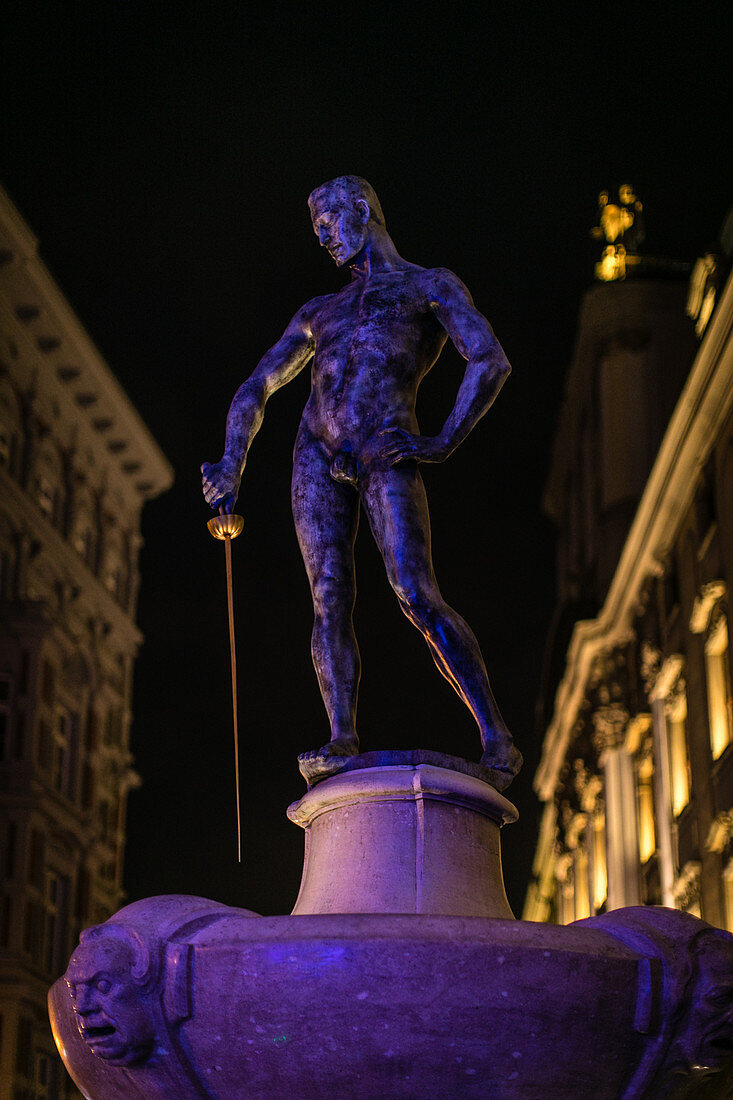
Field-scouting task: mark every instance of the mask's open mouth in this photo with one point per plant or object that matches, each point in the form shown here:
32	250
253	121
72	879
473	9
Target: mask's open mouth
92	1034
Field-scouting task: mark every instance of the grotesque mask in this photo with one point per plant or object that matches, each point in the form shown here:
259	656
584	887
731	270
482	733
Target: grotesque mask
106	978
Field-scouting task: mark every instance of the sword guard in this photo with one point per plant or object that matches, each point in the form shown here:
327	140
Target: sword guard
226	526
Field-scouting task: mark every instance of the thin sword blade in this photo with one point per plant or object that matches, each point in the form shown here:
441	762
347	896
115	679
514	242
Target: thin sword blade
233	656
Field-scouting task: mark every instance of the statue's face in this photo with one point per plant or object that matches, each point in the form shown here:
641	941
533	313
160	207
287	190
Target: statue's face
341	227
113	1014
626	193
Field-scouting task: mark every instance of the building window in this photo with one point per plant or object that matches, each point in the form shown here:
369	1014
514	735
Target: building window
600	869
645	807
679	759
8	841
24	1049
54	922
48	679
63	762
9	425
582	895
6	920
565	888
6	698
36	858
44	755
46	922
45	495
718	684
84	541
36	1071
728	894
6	445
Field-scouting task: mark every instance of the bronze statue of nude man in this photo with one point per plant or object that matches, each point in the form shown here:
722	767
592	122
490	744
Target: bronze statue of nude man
371	344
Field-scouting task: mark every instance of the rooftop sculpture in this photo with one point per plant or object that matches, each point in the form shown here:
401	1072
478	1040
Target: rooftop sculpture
371	344
621	225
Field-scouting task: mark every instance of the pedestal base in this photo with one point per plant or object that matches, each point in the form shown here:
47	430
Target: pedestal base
403	833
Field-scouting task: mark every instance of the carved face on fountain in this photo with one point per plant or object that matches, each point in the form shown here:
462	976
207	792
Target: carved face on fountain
708	1035
111	998
341	211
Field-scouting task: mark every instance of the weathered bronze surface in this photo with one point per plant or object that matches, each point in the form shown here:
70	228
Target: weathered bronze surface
371	344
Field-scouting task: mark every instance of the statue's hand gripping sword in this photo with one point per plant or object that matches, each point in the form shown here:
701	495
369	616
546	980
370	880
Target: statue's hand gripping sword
226	526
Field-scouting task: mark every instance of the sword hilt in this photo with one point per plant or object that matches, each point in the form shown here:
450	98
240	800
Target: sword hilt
226	525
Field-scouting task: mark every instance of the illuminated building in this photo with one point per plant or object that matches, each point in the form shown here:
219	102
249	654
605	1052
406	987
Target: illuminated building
636	774
76	466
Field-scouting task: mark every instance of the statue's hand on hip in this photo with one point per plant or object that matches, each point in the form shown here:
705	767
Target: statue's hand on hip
398	445
221	483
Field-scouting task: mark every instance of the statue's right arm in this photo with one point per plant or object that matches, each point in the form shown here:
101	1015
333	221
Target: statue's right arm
278	366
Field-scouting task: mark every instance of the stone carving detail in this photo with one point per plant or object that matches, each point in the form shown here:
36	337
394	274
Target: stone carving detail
610	723
111	977
676	697
687	887
125	994
687	1008
720	832
705	601
651	663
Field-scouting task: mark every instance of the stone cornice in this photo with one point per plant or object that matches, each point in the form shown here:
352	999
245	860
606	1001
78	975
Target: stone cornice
78	364
704	404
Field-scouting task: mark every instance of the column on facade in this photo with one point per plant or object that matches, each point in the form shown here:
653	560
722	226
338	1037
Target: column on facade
610	723
576	838
593	805
660	681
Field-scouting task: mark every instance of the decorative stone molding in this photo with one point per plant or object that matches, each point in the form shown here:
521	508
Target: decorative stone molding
704	603
668	673
687	886
650	665
637	733
717	638
591	795
610	723
575	830
676	698
563	866
720	832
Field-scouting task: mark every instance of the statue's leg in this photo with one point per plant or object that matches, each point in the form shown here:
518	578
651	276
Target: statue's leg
397	509
326	516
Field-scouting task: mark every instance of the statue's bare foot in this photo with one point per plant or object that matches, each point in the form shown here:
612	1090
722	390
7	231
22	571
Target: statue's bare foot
503	761
327	760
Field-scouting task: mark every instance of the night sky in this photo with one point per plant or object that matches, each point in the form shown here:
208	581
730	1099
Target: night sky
163	155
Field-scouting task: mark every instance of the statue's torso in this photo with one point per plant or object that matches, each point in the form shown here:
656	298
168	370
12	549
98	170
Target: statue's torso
374	342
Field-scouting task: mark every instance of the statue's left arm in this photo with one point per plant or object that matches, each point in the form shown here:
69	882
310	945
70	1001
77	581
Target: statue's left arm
486	370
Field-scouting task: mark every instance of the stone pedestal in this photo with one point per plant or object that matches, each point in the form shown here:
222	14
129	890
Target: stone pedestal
403	833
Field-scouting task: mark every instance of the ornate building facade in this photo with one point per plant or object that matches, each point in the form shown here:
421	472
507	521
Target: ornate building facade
77	464
636	774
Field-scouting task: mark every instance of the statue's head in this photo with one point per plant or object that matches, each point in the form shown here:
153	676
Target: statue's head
344	211
626	194
110	978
